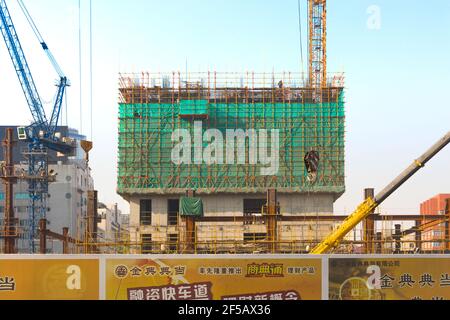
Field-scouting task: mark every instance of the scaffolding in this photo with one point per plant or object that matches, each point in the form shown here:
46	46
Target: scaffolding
153	106
295	236
389	234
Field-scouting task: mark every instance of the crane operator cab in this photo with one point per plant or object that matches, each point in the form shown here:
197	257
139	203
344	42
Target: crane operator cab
22	133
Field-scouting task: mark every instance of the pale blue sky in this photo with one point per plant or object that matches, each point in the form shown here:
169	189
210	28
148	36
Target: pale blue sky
397	78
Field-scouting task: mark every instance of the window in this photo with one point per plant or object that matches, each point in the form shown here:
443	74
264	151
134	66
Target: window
173	207
24	223
22	196
147	243
255	236
437	234
173	241
252	207
21	209
145	212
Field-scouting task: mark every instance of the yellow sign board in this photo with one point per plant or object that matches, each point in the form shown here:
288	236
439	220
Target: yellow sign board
389	278
49	279
214	279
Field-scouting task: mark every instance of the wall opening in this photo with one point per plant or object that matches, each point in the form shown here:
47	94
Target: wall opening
145	212
173	208
252	209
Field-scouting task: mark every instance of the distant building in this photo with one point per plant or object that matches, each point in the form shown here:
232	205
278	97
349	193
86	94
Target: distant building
67	197
434	206
112	227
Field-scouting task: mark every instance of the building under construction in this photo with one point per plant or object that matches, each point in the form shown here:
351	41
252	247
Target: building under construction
309	155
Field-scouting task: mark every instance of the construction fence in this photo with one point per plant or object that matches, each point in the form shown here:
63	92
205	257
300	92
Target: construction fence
223	277
252	235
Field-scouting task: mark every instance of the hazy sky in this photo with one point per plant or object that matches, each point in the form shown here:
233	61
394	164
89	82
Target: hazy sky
397	76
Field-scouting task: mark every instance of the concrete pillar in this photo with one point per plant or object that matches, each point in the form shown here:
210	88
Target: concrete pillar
272	223
418	236
66	241
369	225
91	226
189	238
397	238
447	226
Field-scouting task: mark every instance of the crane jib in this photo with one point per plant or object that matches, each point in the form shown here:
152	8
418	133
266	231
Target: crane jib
24	74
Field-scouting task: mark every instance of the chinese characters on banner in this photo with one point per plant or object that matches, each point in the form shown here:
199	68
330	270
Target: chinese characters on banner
225	278
389	279
7	284
214	279
198	291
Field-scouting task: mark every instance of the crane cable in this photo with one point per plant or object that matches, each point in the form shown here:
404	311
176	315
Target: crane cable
80	66
40	38
90	68
30	21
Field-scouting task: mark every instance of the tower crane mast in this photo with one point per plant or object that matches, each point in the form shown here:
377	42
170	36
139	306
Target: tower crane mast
41	133
317	21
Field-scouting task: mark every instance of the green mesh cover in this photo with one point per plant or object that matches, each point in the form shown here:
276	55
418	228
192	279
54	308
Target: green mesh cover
193	108
192	207
145	146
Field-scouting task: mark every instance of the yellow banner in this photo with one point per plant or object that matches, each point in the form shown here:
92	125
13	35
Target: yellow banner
214	279
389	279
30	279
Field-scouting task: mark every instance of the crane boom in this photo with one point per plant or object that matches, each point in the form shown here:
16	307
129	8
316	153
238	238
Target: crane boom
21	66
63	81
53	124
41	133
370	204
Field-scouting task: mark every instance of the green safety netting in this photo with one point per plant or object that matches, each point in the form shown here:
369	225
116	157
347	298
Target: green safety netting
145	146
194	108
192	207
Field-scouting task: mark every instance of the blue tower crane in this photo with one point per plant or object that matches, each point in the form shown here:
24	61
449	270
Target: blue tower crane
41	134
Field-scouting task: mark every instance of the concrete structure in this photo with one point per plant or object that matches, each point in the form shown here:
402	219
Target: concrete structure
67	198
163	222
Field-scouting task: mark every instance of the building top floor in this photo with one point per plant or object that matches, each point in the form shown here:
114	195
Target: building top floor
216	87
